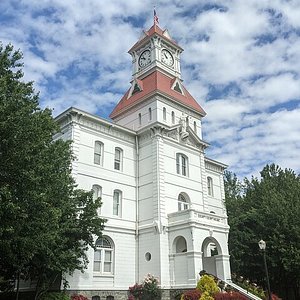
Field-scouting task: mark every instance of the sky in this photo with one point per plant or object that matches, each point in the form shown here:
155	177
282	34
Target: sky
241	61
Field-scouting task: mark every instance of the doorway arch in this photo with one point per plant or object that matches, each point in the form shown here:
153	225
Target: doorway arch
211	249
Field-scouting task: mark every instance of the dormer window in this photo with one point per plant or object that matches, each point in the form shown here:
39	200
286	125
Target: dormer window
195	127
177	88
136	89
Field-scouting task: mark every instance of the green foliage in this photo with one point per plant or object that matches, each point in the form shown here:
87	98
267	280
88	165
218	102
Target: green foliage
55	296
266	208
249	286
207	284
206	296
43	234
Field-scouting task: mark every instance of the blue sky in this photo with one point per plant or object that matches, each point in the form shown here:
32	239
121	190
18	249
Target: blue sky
241	62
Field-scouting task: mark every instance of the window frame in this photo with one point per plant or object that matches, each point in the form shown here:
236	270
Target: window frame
118	161
98	153
117	203
103	248
164	114
97	191
210	186
182	164
183	202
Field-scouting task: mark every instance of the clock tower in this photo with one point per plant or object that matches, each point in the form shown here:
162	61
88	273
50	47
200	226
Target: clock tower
157	93
155	50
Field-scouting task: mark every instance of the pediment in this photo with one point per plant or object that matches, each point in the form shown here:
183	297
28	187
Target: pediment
194	140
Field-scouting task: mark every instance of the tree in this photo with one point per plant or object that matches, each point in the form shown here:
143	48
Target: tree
46	224
266	208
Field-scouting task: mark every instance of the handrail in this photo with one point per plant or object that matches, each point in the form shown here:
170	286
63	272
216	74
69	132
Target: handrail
242	291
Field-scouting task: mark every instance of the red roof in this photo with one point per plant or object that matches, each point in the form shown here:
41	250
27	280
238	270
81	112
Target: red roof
156	82
155	29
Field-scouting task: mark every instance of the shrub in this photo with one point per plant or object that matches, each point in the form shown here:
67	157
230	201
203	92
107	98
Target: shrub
148	290
206	296
55	296
136	291
79	297
191	295
230	296
207	284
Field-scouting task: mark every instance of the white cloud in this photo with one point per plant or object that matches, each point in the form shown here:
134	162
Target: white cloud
241	61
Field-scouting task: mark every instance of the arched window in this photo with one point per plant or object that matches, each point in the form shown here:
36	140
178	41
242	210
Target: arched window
150	113
110	298
181	245
117	203
103	256
187	121
195	127
118	159
183	202
96	298
182	164
140	119
97	191
164	114
98	153
210	187
173	117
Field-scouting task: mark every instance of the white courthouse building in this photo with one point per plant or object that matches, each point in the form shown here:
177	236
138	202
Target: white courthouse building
162	197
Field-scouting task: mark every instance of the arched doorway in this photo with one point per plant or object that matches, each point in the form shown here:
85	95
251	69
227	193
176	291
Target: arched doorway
179	250
210	250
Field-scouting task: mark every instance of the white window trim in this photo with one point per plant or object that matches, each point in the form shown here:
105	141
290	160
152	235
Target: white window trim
103	250
183	203
182	165
98	153
210	186
117	204
118	160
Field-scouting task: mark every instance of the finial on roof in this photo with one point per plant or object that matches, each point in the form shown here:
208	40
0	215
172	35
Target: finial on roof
155	17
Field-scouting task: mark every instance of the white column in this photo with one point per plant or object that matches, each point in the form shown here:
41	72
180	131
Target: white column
223	266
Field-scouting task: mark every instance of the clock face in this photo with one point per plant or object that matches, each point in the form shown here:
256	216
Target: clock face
145	58
167	58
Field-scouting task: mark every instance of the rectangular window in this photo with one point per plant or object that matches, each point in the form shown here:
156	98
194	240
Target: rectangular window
116	203
98	153
210	188
107	261
118	157
178	163
183	162
97	261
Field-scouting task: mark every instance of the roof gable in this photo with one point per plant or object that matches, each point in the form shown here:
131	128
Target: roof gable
159	83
